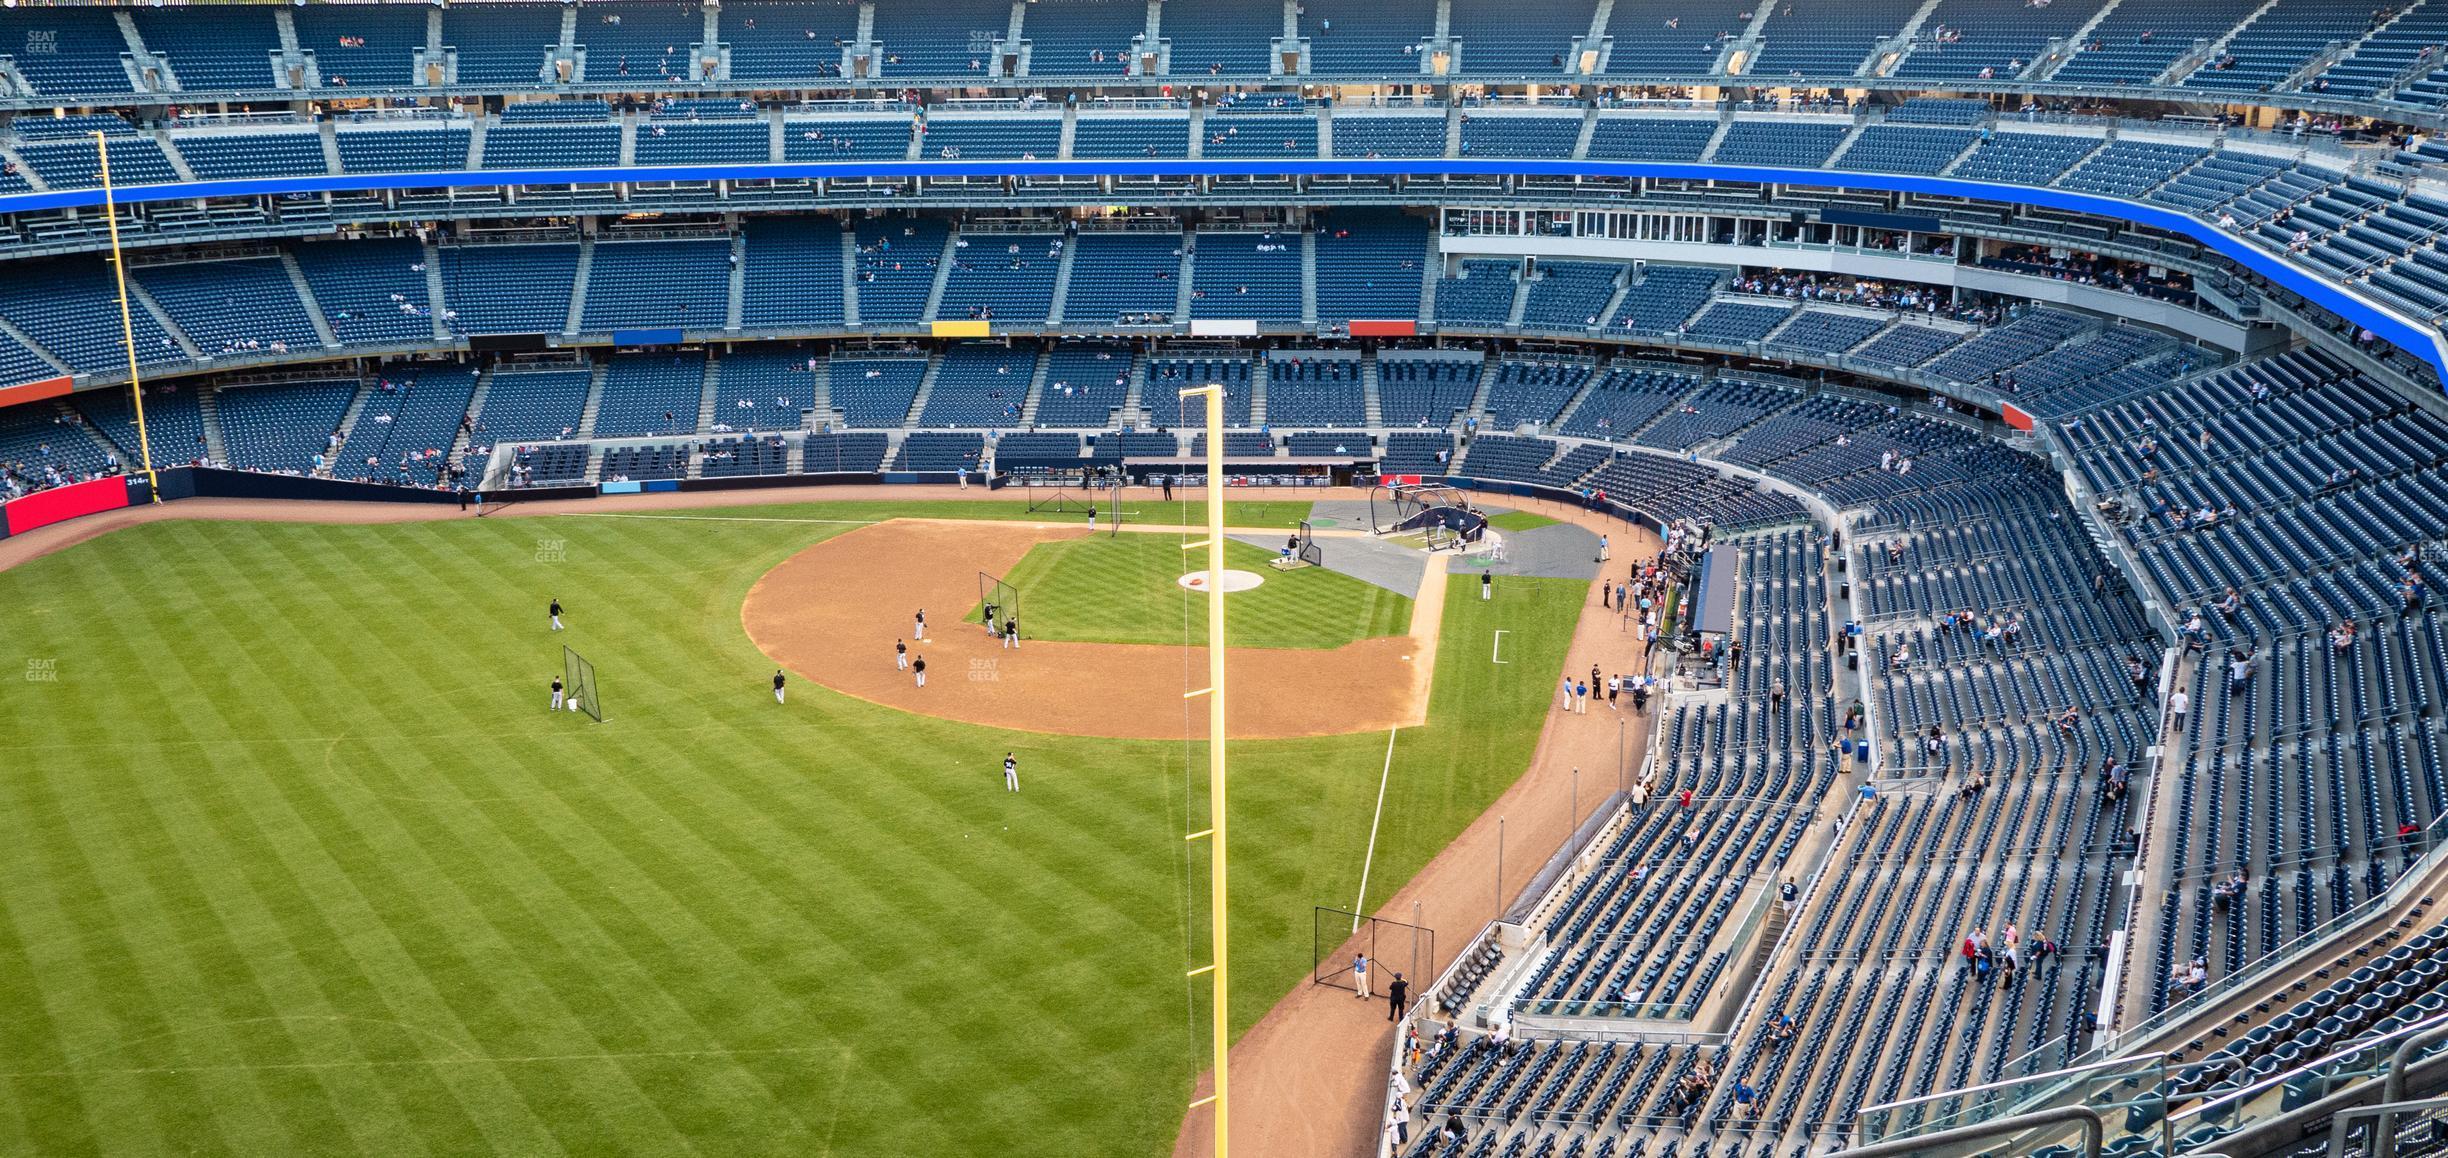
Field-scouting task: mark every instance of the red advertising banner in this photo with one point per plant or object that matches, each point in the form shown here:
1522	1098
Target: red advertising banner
34	391
1383	329
43	508
2014	416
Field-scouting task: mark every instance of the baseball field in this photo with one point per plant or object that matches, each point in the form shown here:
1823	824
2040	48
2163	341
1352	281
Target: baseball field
293	860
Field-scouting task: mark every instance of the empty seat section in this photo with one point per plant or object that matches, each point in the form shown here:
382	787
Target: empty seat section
979	386
1421	390
232	308
1084	385
897	257
1356	135
846	139
948	38
1267	135
1525	38
651	393
1649	139
1797	144
1001	277
501	44
1096	137
791	276
1488	135
532	405
1082	38
1314	388
1123	278
508	289
990	139
1361	37
875	392
765	389
361	45
420	149
281	426
409	422
1247	275
1370	264
227	47
1480	295
251	154
658	284
789	40
1168	377
1570	295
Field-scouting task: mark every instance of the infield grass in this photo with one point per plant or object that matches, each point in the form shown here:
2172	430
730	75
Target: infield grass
1125	589
293	861
1520	521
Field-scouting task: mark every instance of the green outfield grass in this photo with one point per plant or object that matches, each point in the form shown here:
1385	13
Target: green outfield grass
1125	589
293	861
1520	521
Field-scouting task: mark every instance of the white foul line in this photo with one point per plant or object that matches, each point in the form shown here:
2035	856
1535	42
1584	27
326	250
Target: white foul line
1498	649
1382	775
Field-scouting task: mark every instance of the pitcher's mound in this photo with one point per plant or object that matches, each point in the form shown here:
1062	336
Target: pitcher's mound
1233	581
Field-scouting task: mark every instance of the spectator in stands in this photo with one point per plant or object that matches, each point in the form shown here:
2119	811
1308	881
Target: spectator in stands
2342	636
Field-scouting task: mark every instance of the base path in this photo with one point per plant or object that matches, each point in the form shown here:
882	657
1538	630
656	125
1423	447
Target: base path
1309	1080
832	612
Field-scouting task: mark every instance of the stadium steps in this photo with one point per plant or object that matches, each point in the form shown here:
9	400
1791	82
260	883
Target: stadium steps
1708	152
1309	305
578	286
1036	391
1061	300
943	276
1432	271
2068	51
1198	131
1852	136
736	297
170	153
476	407
1453	129
1188	275
628	138
1664	412
1747	44
438	311
1070	126
568	48
328	132
137	292
1589	128
208	407
476	143
2200	58
1372	407
926	386
1892	52
594	401
594	466
1615	301
794	460
1487	385
32	178
706	396
314	309
1570	405
348	418
1134	398
1258	393
1326	131
823	397
850	277
126	454
286	30
1521	298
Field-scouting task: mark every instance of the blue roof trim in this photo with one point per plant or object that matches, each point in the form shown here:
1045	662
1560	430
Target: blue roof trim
2422	341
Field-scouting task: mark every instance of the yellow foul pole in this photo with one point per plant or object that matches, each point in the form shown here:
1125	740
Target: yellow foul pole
127	319
1214	692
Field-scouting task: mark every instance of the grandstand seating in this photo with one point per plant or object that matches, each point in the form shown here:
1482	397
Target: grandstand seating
978	385
792	272
1421	391
875	392
501	44
1314	388
990	138
1168	377
1397	135
1480	296
361	45
1123	275
252	154
1084	385
1261	134
403	150
68	49
1569	295
1001	277
846	139
649	284
1487	135
788	39
1131	136
844	453
897	260
1805	143
281	427
496	289
1082	37
940	451
232	308
411	412
1533	391
1366	37
765	389
532	404
651	393
1650	139
1247	275
1369	265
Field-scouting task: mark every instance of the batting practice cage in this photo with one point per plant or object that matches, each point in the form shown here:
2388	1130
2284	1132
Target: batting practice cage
998	602
1308	551
579	676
